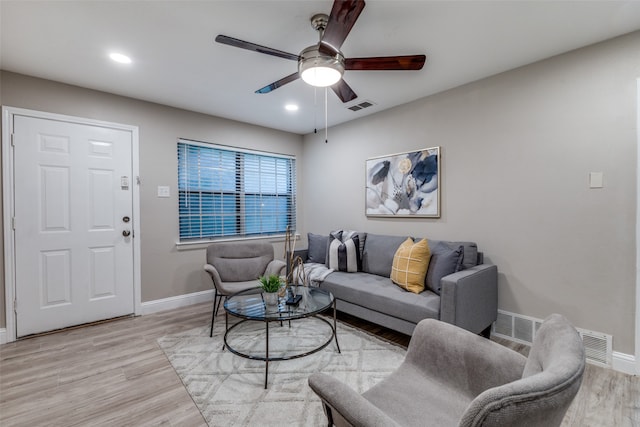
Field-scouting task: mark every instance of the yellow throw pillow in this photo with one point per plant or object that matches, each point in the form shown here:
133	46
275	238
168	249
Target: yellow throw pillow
410	265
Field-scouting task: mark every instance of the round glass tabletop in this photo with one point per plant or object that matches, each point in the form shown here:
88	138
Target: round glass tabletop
250	304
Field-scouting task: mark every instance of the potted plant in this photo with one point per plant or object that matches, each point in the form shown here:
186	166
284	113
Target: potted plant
270	286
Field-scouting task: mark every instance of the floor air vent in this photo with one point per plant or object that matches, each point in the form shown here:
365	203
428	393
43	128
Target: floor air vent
597	347
362	105
523	329
503	325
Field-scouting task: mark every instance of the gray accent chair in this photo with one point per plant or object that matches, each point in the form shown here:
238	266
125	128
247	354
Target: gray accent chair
234	267
452	377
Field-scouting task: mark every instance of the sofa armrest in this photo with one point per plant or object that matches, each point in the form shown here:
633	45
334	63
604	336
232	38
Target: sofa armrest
464	360
346	406
469	298
277	267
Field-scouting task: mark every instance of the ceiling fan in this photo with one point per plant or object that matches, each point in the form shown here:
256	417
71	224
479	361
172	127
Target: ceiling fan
323	64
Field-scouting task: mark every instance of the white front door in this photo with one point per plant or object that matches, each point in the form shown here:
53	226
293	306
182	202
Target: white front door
73	208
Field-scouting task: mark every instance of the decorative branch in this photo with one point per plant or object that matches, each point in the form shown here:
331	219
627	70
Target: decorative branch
293	261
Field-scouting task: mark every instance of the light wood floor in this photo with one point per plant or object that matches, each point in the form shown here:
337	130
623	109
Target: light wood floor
114	374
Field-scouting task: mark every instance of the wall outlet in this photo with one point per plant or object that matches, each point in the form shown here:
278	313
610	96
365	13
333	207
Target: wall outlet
596	180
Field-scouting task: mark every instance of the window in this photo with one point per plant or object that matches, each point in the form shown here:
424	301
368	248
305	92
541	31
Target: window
227	192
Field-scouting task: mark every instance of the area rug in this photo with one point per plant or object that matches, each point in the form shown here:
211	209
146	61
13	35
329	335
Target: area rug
229	389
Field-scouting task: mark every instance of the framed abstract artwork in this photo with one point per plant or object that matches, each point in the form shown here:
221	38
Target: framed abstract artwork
404	184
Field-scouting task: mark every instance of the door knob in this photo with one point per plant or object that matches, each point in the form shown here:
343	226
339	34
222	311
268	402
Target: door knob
126	233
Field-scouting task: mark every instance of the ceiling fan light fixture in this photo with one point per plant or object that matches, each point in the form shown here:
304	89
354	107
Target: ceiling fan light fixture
321	76
320	70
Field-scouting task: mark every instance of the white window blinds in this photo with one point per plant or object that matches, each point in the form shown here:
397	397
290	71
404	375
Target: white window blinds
227	192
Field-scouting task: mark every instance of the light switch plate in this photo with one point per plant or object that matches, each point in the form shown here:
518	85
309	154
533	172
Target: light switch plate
596	180
164	191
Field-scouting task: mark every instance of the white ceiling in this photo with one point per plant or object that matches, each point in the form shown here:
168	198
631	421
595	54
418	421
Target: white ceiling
176	61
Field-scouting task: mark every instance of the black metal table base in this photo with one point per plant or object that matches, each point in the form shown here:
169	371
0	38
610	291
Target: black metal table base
266	358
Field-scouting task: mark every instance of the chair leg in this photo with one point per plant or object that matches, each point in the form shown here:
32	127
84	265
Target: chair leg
217	299
327	412
219	302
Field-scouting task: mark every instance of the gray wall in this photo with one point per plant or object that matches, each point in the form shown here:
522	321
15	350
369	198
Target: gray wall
517	149
165	271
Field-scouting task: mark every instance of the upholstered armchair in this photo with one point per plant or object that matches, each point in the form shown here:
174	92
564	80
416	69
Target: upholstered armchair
234	267
451	377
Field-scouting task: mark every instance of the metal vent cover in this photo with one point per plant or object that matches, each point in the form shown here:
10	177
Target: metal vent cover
523	329
362	105
597	347
503	325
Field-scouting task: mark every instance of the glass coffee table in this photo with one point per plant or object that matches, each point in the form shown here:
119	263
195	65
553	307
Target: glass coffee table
249	305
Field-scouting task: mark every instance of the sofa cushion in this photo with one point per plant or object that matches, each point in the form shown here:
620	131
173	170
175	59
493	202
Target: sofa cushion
444	261
410	265
380	294
317	246
344	252
469	255
378	253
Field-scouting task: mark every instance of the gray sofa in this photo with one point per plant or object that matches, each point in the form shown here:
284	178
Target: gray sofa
461	289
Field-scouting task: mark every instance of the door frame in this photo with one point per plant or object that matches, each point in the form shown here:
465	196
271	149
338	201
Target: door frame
8	208
637	335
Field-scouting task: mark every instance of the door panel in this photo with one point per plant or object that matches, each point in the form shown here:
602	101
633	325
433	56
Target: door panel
73	264
55	278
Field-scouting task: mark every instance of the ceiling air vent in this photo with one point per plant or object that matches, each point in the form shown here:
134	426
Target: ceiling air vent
362	105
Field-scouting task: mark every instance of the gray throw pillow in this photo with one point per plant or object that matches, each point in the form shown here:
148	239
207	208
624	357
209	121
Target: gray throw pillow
317	246
444	261
378	253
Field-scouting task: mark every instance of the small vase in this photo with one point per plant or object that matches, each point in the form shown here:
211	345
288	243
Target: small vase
270	298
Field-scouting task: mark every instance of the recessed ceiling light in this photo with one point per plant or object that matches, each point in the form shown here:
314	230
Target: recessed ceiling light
118	57
291	107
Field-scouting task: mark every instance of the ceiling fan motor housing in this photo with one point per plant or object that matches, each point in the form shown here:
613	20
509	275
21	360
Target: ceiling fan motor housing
319	69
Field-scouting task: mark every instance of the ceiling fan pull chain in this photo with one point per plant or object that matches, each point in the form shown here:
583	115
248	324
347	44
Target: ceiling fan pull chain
326	117
315	110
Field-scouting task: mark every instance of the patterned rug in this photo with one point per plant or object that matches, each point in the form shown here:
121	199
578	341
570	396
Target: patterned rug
229	389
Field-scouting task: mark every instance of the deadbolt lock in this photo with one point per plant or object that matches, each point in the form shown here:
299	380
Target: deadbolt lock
125	219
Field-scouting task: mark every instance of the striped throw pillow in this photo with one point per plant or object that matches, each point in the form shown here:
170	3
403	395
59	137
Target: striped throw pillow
344	252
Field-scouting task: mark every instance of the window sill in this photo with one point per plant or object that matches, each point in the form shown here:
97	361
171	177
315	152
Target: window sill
202	244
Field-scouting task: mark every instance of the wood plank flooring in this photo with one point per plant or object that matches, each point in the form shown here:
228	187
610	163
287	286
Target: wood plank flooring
114	374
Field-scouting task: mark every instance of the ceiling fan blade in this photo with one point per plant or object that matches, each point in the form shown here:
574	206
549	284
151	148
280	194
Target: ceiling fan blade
344	14
344	91
283	81
255	47
409	62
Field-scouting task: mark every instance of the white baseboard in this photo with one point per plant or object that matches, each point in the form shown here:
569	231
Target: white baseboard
625	363
155	306
176	302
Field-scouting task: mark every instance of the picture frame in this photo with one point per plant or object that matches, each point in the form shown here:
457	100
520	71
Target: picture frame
404	185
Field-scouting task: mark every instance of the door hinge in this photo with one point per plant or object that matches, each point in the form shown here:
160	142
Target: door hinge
13	140
13	222
15	306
